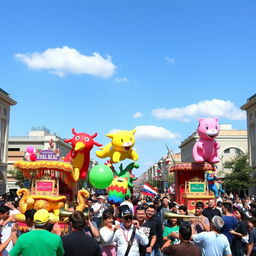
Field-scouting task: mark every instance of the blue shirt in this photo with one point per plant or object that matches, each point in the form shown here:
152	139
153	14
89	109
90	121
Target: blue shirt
230	222
212	244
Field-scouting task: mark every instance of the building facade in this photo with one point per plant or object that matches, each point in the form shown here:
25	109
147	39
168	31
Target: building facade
5	104
250	108
232	142
159	174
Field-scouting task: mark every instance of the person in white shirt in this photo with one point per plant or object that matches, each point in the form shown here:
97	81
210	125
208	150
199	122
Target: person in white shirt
98	209
6	229
127	201
107	234
123	235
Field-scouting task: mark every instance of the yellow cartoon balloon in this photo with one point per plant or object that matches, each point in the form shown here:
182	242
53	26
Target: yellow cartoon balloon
120	147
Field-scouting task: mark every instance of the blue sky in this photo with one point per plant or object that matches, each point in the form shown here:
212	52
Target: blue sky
155	66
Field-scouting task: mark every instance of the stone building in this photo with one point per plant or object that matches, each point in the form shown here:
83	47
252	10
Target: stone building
5	104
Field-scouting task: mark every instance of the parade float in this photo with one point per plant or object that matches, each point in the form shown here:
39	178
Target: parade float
197	181
54	180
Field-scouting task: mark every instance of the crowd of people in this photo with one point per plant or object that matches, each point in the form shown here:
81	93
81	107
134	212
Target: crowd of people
140	226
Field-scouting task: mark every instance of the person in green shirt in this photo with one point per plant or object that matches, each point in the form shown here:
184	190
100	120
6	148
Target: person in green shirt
171	231
39	242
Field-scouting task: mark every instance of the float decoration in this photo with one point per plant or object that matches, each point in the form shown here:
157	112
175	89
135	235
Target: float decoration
79	156
101	176
214	184
53	184
205	149
120	147
122	183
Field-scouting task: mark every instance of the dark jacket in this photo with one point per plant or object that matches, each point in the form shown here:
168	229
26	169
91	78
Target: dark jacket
78	243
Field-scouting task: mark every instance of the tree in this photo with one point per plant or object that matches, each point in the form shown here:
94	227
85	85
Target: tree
240	179
18	175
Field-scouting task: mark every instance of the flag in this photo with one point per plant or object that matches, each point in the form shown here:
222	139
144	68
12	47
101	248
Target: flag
149	190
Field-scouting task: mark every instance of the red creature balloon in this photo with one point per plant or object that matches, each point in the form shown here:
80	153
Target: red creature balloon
82	144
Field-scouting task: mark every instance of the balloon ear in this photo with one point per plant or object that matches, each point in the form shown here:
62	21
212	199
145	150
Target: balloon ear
110	135
74	131
200	120
216	119
133	131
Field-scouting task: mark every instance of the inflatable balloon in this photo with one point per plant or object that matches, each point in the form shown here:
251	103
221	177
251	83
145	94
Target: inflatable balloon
120	147
30	149
127	174
101	176
82	144
205	149
117	190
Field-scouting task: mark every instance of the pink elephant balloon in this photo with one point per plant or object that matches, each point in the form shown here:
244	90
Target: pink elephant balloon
206	148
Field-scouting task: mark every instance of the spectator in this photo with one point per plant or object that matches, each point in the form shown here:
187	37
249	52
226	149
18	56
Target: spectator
230	222
29	215
165	207
148	228
238	246
211	210
124	234
98	209
152	217
6	230
213	243
78	243
107	234
201	223
251	249
39	241
171	231
184	247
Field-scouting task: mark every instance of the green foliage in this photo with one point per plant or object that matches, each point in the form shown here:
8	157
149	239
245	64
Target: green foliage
240	178
18	175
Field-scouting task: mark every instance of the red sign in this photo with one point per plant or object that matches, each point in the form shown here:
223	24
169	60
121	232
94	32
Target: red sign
44	186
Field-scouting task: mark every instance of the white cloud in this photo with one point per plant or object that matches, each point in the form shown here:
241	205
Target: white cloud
207	108
153	132
61	61
121	80
170	60
137	115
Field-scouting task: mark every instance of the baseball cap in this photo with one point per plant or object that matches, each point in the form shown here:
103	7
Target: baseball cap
41	216
217	222
101	196
126	212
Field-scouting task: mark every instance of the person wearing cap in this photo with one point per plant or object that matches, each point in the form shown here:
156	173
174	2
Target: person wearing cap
39	242
123	235
213	243
127	201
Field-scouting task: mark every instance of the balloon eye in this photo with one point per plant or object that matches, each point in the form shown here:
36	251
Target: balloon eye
206	127
86	139
77	137
216	128
122	140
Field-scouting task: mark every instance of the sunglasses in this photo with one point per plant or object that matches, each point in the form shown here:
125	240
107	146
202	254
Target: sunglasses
128	217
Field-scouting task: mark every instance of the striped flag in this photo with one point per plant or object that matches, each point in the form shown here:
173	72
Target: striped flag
149	190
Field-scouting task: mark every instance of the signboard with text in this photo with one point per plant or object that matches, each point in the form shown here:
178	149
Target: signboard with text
196	187
47	155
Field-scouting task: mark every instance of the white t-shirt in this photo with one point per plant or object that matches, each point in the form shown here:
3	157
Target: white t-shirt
5	234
